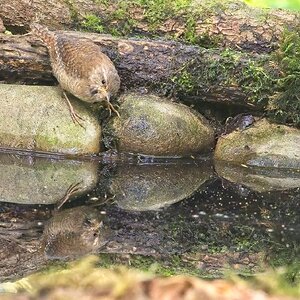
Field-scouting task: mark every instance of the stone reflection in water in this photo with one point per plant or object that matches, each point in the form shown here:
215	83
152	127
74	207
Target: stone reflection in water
75	232
259	179
36	180
151	187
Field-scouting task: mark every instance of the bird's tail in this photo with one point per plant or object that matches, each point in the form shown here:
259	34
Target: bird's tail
43	33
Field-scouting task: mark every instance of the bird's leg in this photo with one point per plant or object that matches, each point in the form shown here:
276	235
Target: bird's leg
75	117
73	188
110	108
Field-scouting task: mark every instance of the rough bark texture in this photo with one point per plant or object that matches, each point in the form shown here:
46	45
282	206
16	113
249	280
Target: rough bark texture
222	23
158	65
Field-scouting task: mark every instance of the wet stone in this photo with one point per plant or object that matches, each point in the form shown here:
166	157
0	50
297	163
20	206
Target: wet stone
154	126
263	144
37	118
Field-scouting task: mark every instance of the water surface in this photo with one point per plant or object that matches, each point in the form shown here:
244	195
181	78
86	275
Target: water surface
171	216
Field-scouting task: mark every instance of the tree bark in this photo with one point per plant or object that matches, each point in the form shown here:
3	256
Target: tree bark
206	23
169	68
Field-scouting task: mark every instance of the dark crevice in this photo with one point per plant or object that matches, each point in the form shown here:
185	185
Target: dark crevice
17	29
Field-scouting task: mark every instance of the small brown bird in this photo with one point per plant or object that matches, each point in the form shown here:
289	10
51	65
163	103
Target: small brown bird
80	68
75	232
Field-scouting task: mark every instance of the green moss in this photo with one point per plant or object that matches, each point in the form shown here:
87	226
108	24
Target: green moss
284	105
200	73
47	141
190	35
229	69
185	80
269	82
93	23
172	265
275	82
158	11
284	281
256	82
155	13
119	282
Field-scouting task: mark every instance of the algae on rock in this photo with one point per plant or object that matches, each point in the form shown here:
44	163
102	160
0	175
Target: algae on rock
37	118
264	144
155	126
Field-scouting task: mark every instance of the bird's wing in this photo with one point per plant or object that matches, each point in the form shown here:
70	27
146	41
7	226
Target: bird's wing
78	57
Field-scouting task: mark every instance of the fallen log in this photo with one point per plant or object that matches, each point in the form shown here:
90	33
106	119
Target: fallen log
207	23
192	73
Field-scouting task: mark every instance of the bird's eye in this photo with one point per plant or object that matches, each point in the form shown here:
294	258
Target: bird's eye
94	91
103	81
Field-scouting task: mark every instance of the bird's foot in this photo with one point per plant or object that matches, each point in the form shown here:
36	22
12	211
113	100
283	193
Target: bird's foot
73	188
76	118
111	108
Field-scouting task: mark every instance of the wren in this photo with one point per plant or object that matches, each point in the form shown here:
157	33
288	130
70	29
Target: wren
80	67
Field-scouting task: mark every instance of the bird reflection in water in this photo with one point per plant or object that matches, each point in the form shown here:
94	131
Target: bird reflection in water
75	232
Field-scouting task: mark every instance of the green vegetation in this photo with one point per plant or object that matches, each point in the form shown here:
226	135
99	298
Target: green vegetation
288	4
85	277
282	281
93	23
270	82
155	14
171	265
228	68
72	9
284	105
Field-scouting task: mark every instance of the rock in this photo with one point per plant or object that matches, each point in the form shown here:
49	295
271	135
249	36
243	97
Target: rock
263	144
33	180
259	179
37	118
151	187
240	121
154	126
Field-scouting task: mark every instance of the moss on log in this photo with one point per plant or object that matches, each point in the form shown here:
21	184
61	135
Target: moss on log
208	23
190	72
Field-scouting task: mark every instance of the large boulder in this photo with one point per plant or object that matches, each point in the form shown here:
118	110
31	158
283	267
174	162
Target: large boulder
263	144
37	118
154	126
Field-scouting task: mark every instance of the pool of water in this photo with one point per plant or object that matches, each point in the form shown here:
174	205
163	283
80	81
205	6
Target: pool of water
171	216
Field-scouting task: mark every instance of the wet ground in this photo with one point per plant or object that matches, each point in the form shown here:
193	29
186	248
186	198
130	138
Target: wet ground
171	216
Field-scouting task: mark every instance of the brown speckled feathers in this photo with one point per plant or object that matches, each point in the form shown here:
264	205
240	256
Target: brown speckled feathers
70	52
80	67
85	50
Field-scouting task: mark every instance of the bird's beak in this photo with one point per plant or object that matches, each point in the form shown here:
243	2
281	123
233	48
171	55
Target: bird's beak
105	93
107	96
